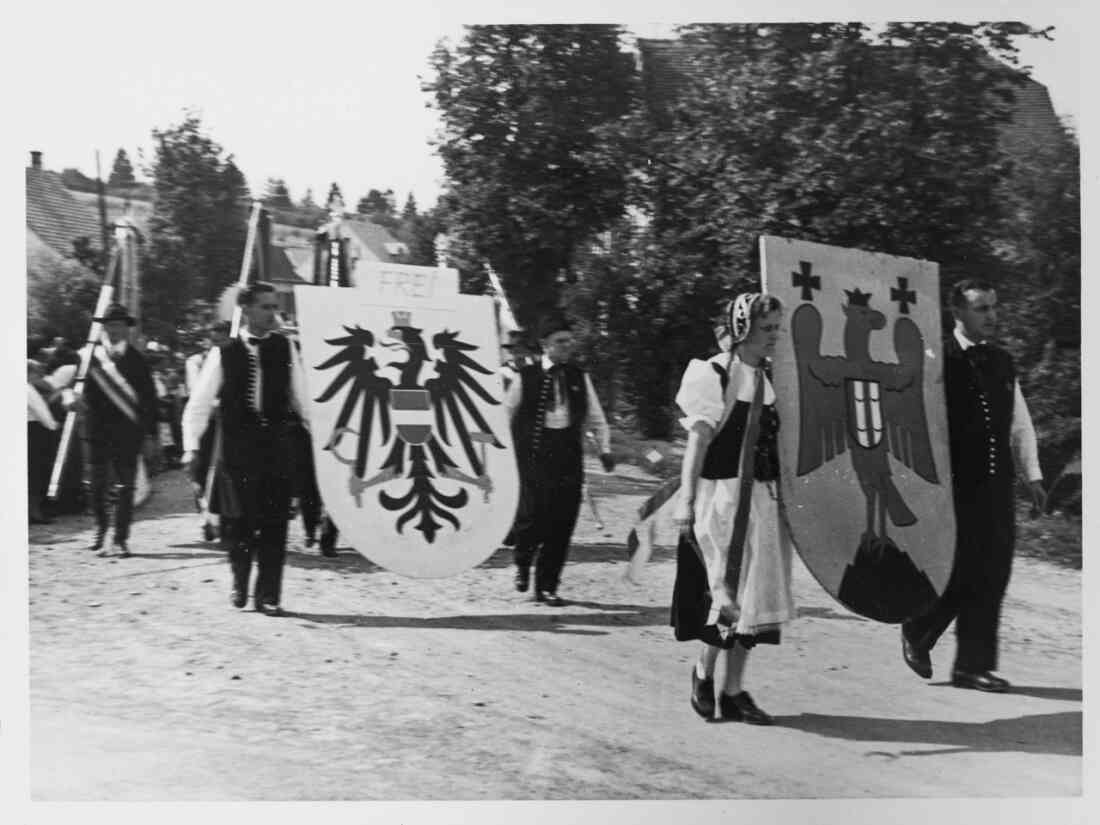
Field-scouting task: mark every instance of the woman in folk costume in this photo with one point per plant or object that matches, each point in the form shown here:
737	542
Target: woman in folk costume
733	566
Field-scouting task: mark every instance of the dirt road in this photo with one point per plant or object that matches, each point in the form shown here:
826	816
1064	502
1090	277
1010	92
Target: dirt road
146	685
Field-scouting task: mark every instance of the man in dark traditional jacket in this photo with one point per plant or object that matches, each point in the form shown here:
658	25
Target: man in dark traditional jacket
120	403
988	421
551	403
258	383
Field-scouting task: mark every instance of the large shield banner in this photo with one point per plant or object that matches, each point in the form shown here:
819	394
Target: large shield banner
858	374
411	439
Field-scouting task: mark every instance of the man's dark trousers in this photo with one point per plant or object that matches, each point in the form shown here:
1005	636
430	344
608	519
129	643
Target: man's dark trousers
550	499
120	455
254	517
983	563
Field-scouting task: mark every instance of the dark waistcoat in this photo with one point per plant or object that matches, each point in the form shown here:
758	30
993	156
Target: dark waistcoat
241	423
105	421
980	398
538	394
724	452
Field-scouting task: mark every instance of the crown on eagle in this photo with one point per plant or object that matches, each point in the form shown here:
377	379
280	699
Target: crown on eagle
402	318
856	298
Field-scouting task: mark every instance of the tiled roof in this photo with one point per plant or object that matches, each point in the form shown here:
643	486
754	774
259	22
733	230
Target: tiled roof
372	237
670	66
138	211
55	216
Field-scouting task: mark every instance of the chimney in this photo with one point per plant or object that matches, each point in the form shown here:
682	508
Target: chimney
36	160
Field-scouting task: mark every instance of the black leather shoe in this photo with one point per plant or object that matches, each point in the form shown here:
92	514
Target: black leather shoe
550	599
240	598
523	579
916	657
97	542
702	695
310	541
272	609
741	708
123	550
209	532
979	681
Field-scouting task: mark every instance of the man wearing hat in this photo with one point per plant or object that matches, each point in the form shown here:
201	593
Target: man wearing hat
120	403
552	403
257	381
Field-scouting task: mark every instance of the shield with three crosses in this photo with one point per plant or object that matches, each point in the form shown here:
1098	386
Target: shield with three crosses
411	438
865	467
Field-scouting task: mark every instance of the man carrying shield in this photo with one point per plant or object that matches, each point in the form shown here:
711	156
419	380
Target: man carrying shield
987	420
257	381
549	404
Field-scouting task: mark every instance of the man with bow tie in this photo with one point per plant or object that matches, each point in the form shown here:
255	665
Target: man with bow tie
257	381
551	403
988	421
120	403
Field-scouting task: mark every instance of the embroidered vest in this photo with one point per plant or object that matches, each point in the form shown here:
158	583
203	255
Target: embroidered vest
980	400
538	394
238	416
724	453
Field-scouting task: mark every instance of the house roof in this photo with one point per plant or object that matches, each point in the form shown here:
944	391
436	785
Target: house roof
374	238
670	66
55	216
137	211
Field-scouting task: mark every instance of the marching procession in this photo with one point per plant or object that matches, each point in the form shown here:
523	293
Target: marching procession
715	433
260	446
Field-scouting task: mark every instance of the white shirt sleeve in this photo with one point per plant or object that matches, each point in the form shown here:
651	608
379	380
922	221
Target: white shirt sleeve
38	410
596	418
204	396
1025	445
299	399
513	395
700	395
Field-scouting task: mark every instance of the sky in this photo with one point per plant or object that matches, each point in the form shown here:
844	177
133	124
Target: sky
332	94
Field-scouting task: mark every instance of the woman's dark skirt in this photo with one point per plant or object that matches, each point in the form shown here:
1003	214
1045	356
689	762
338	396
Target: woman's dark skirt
691	604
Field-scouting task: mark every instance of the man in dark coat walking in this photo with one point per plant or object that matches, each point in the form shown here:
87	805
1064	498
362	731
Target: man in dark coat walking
552	402
988	421
120	407
257	380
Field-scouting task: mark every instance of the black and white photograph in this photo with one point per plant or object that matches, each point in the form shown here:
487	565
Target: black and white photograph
480	413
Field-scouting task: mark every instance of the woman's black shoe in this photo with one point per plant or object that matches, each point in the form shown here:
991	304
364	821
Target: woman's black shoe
741	708
702	695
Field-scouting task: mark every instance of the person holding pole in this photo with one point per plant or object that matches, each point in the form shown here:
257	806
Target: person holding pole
733	561
258	382
988	427
550	404
120	404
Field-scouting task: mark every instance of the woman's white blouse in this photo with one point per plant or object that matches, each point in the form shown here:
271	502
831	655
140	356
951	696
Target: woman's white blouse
700	396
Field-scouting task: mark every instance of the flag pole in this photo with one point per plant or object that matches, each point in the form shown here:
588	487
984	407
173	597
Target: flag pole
95	334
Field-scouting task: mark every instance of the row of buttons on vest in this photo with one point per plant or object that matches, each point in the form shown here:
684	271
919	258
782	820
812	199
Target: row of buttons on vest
992	438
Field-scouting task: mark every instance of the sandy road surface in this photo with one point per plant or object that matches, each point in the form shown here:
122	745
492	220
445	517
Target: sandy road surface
146	685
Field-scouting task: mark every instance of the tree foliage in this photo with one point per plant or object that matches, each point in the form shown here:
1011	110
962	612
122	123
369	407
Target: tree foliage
824	132
122	171
61	296
199	221
276	194
529	146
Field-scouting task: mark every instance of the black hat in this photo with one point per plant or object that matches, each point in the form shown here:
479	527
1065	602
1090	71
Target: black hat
116	312
557	322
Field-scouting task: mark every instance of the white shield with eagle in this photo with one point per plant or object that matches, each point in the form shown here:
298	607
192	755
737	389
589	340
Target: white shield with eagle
411	438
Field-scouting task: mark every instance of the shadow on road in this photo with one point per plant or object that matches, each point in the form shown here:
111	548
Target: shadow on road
1062	694
1047	733
828	613
550	621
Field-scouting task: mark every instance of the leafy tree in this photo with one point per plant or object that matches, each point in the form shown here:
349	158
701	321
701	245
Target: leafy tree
409	212
333	194
277	195
827	133
530	149
76	180
122	171
61	296
199	223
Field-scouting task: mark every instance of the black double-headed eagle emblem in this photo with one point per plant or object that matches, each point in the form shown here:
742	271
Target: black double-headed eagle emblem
429	421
